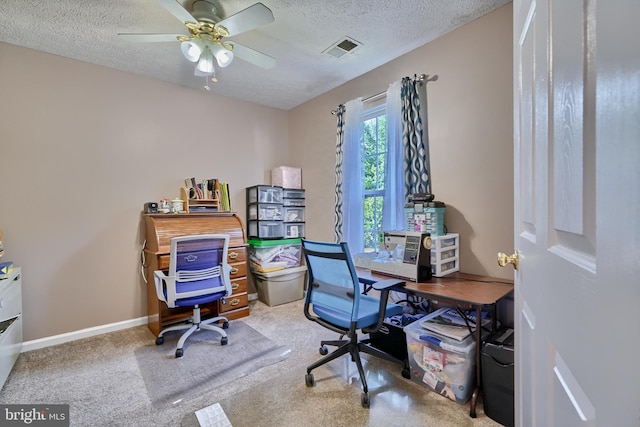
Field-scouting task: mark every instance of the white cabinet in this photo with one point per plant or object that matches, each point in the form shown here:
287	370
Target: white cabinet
10	321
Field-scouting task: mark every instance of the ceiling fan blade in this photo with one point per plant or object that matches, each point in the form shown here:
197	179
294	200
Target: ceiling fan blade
247	19
177	10
253	56
154	38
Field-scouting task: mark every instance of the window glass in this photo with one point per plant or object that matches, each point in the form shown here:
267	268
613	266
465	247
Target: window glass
374	154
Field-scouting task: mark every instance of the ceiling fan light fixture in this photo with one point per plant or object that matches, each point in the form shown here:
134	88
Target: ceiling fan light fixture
224	57
192	49
205	63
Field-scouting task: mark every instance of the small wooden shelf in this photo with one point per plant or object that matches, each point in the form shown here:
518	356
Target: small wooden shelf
198	205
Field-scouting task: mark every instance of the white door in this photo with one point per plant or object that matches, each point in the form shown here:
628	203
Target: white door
577	212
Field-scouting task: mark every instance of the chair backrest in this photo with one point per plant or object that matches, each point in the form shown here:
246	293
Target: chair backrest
332	278
197	267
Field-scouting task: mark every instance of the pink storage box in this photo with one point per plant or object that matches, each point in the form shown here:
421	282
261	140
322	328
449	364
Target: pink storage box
286	177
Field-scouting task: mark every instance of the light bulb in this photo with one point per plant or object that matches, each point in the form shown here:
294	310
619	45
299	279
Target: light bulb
224	57
191	49
205	64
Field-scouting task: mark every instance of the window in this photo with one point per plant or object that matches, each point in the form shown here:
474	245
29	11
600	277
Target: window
374	154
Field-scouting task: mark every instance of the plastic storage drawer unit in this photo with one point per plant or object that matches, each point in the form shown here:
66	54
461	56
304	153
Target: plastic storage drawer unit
444	365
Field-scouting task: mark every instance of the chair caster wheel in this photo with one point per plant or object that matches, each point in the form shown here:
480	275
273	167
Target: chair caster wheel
406	373
309	380
323	350
179	352
225	325
160	340
364	399
224	340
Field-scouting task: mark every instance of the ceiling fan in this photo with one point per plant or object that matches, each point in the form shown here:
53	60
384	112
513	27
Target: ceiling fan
207	41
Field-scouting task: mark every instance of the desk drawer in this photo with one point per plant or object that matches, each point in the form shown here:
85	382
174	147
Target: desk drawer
238	270
236	255
237	313
233	302
10	298
239	286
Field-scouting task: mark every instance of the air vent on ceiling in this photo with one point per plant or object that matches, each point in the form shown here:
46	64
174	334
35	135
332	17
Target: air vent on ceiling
342	47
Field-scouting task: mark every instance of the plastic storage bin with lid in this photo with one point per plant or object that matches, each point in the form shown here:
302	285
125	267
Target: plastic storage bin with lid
281	286
444	365
271	255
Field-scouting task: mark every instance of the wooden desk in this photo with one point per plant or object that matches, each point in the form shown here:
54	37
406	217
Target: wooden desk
159	229
464	291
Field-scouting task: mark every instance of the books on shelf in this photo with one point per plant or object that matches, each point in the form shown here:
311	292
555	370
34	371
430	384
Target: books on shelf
449	323
211	195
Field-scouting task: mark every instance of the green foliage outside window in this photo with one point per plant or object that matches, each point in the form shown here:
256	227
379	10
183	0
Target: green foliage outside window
374	154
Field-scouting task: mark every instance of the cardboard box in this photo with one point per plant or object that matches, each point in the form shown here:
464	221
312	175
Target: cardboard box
286	177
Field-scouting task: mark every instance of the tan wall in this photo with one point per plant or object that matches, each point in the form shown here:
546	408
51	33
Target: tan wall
83	148
470	115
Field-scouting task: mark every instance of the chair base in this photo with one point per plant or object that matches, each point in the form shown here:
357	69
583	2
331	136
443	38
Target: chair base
353	347
195	324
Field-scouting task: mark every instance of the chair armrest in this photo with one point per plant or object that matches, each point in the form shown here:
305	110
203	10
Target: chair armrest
159	277
384	287
387	283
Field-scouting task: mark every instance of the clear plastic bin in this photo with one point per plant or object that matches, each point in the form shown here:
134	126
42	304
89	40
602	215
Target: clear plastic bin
266	253
441	364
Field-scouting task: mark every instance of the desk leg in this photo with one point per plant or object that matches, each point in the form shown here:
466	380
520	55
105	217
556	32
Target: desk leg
476	391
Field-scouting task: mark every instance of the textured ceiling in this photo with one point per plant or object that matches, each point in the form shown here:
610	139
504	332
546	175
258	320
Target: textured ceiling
87	30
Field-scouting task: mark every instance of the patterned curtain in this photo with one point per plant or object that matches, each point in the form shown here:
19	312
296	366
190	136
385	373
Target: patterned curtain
339	146
414	138
349	176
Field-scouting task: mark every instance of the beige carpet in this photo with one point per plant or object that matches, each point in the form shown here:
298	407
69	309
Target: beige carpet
100	379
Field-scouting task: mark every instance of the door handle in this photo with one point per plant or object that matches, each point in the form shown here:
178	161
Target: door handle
504	259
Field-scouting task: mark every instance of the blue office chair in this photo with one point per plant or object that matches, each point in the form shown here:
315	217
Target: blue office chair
334	299
198	274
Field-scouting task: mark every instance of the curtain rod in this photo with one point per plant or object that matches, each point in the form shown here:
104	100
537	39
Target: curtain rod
423	78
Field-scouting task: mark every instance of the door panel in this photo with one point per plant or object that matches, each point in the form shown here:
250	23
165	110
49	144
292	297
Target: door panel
576	210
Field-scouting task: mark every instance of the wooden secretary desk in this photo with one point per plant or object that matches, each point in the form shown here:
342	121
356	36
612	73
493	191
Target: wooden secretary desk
159	229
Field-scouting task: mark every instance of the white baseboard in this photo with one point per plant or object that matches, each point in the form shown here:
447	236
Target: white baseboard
83	333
